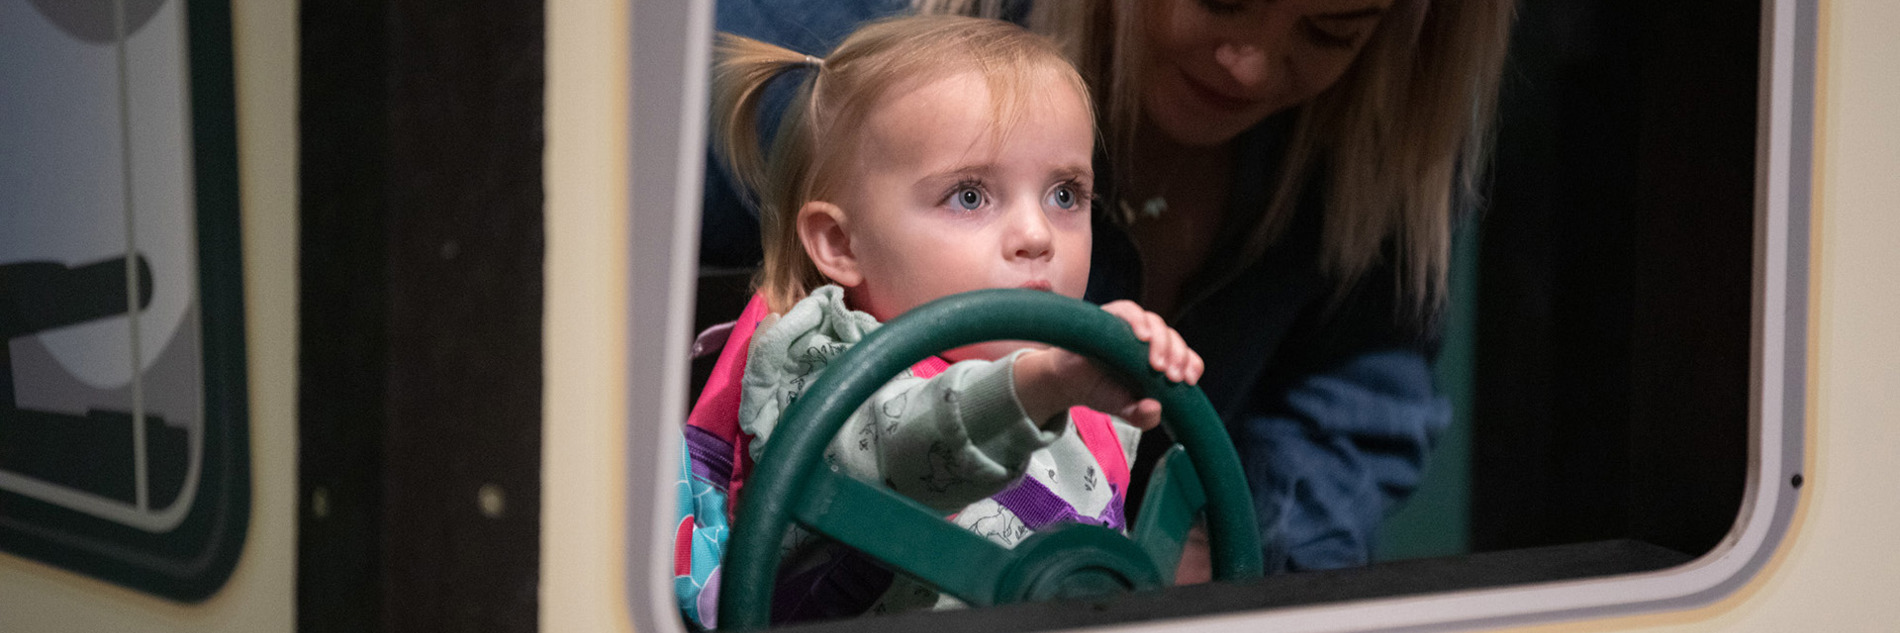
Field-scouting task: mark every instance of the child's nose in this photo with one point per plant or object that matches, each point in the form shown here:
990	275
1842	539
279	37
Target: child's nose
1030	236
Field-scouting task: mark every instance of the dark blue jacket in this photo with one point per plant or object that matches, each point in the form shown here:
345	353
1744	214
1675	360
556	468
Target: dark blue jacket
1328	396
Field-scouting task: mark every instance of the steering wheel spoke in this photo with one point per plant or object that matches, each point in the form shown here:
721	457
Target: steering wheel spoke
1168	509
904	535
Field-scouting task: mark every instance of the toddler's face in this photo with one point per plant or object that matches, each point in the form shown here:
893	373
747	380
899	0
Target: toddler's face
940	203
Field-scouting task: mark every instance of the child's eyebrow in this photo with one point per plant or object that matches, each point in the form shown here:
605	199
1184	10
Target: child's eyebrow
936	182
946	177
1084	173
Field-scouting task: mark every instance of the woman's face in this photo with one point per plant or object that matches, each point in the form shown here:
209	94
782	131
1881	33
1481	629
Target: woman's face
1216	67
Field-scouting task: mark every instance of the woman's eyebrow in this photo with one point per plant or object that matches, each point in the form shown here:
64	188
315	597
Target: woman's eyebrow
1350	14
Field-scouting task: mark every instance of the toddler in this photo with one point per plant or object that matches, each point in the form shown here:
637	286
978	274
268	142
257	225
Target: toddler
926	156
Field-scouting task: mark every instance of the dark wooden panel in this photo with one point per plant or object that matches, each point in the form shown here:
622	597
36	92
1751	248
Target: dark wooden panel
421	276
343	312
465	260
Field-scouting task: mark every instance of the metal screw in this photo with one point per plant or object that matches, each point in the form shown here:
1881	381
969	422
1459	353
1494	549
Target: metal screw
320	502
492	500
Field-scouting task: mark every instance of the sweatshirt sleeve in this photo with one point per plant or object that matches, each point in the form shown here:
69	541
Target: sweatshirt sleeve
946	441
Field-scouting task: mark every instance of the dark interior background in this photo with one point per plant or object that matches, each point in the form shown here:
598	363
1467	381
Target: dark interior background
1615	275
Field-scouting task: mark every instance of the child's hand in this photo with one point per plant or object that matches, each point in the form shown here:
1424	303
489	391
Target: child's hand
1166	351
1049	381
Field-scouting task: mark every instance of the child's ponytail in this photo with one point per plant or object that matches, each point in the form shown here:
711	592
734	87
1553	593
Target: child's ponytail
743	68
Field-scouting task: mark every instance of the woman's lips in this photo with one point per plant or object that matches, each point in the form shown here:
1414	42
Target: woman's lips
1215	98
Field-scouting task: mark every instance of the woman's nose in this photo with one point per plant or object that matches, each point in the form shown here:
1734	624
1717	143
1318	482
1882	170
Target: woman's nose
1245	62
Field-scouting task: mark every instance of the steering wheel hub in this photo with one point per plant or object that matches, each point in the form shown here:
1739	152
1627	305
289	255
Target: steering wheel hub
1077	561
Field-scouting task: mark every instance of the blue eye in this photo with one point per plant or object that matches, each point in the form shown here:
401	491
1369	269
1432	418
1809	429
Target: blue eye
1064	197
967	198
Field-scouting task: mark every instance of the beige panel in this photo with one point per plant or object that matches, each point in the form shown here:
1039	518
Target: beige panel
584	439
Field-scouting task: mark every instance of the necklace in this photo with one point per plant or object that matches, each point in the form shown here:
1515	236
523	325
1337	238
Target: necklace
1151	209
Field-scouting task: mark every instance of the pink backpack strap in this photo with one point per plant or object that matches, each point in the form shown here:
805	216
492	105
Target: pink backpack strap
717	409
716	413
929	367
1098	433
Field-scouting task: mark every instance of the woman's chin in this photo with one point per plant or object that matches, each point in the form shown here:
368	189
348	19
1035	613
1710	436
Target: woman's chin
1197	127
1206	132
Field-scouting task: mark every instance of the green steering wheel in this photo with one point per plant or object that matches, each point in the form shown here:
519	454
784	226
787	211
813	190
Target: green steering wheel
791	483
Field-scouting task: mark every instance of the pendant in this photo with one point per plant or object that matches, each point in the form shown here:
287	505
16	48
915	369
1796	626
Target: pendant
1154	207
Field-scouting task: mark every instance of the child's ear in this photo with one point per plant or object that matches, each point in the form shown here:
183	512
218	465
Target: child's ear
821	227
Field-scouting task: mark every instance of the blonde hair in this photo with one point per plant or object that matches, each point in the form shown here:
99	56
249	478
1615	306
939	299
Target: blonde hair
821	128
1402	138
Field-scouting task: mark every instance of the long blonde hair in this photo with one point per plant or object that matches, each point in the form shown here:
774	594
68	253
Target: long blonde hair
821	128
1402	138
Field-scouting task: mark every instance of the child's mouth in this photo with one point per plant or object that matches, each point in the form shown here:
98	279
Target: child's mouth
1038	285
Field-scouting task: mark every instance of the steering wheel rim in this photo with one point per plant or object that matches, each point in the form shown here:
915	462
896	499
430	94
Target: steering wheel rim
1062	560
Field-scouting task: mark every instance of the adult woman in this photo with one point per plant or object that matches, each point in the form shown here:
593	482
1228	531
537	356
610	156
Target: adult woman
1285	175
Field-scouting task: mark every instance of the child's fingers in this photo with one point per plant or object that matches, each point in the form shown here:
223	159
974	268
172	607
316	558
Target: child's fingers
1172	355
1161	343
1188	361
1166	353
1169	348
1133	314
1144	414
